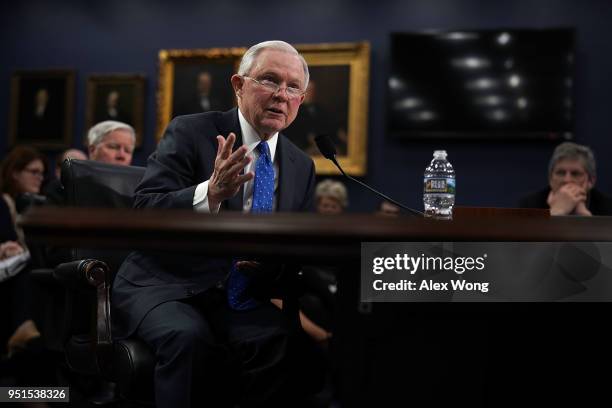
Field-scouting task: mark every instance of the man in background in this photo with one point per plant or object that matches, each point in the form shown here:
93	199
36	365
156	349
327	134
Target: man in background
68	154
108	142
111	142
388	209
571	184
53	190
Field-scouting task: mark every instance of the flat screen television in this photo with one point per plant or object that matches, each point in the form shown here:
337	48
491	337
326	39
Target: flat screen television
489	84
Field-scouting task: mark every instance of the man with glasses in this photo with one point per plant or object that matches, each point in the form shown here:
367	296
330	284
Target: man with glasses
183	306
571	178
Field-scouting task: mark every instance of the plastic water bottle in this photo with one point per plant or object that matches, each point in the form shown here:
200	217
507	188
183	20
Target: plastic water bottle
439	187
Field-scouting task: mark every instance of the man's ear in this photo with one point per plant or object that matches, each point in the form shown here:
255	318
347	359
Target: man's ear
90	150
591	182
237	84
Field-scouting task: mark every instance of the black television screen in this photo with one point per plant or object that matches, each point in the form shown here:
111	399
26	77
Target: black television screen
507	83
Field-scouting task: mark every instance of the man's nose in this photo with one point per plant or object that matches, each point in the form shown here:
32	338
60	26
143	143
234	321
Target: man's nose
282	93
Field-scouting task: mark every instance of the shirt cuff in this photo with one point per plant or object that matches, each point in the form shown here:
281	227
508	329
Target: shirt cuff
200	199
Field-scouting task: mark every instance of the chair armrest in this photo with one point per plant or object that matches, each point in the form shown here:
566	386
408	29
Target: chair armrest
90	274
85	274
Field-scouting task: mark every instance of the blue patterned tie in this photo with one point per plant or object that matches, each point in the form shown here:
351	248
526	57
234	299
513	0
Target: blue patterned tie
263	196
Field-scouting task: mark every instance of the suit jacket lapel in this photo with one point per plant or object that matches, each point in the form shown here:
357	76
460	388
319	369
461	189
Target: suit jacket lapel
287	169
230	123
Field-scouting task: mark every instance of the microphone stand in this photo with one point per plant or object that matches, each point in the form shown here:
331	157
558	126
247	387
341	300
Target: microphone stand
410	210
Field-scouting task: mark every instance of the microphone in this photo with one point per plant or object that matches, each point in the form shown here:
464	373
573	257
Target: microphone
328	150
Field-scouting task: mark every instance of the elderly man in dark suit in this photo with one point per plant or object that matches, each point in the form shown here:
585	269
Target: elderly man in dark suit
183	305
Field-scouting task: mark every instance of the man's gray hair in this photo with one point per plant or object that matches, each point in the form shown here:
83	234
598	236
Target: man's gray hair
250	56
96	133
573	151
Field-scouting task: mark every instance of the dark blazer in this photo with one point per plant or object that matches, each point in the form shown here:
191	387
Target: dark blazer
597	202
184	158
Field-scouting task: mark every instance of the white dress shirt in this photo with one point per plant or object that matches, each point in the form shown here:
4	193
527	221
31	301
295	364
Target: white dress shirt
250	139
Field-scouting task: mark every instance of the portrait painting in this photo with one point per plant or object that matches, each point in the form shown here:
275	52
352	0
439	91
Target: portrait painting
335	102
42	106
194	81
117	97
324	110
202	87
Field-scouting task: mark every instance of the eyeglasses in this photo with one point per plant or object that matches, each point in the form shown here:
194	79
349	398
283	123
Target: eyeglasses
273	87
35	172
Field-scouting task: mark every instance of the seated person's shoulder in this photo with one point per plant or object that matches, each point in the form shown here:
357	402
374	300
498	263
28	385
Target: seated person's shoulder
600	203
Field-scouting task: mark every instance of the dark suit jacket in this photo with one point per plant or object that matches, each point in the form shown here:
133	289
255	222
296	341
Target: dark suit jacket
598	203
184	158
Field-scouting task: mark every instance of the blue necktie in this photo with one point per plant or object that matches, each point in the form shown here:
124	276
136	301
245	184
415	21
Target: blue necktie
263	196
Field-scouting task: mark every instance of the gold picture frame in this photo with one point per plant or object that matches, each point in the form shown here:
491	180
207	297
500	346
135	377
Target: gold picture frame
118	97
42	107
179	75
339	76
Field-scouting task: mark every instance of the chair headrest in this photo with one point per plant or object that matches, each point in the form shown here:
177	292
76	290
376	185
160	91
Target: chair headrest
89	183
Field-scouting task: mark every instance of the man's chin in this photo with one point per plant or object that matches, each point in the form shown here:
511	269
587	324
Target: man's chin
271	126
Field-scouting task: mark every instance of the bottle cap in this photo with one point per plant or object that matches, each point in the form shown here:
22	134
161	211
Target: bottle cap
440	153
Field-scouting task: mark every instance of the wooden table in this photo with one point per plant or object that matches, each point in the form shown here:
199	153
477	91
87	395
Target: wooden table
303	236
389	352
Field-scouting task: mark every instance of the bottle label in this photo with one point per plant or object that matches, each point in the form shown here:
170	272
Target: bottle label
439	185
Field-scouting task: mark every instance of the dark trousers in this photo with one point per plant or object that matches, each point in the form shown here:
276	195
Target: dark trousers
197	340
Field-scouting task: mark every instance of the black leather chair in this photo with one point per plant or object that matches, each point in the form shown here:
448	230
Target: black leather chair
87	275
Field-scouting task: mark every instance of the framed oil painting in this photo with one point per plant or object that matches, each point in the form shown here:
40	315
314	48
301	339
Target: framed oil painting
117	97
42	106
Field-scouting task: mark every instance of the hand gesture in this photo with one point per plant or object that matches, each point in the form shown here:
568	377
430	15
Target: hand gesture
565	200
226	179
10	248
581	209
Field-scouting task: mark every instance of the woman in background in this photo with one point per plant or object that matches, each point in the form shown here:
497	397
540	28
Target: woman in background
22	171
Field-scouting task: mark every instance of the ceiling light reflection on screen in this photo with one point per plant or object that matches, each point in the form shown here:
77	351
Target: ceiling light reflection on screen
471	62
514	80
504	38
521	103
408	103
396	84
482	83
423	116
459	36
490	100
498	115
